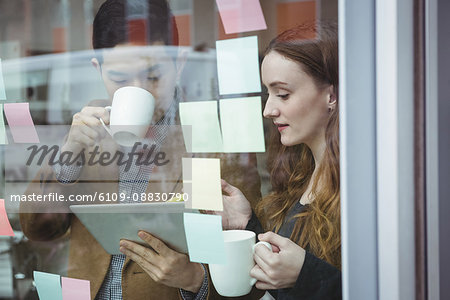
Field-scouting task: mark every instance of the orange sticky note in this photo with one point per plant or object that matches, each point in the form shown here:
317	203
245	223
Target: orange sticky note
5	227
21	123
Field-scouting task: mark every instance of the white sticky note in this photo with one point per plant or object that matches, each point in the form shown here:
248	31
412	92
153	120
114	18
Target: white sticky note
48	286
3	137
201	129
2	83
241	15
203	183
242	124
204	237
238	66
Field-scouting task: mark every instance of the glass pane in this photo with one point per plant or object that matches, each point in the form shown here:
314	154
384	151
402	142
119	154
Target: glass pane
122	108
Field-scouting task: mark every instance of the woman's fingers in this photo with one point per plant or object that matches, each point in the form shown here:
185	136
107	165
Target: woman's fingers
257	273
228	188
274	239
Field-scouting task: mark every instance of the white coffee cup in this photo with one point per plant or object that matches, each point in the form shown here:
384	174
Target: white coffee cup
131	114
233	278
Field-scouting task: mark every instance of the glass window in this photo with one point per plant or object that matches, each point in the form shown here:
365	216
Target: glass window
128	102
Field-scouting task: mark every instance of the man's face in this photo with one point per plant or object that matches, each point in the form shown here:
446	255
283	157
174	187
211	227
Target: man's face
150	67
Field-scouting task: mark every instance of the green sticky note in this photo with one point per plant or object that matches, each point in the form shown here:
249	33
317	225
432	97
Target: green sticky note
2	84
242	125
205	238
48	286
3	138
201	129
238	66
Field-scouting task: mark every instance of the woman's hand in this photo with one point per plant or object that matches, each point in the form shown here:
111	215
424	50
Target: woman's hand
163	264
236	208
277	270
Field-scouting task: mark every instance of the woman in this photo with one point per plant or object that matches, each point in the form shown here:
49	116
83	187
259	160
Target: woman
303	208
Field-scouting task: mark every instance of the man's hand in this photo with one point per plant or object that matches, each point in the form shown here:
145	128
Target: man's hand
279	269
86	129
163	264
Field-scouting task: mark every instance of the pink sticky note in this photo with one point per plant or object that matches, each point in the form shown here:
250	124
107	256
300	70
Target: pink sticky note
241	15
75	289
5	227
20	122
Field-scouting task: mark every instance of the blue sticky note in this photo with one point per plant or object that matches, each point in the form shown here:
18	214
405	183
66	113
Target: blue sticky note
2	84
205	238
3	138
238	66
48	286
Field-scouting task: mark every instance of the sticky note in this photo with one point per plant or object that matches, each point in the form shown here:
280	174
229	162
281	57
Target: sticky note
5	227
20	123
242	124
204	237
2	83
48	286
75	289
201	129
186	166
241	15
3	138
202	183
238	66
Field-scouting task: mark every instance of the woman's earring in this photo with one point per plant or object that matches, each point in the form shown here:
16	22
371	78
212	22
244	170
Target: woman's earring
329	110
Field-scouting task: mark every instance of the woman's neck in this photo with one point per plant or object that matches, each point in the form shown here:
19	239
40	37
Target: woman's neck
318	151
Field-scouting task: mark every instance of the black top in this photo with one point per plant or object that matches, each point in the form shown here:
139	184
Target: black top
317	279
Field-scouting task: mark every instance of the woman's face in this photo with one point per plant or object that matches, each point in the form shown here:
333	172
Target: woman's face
296	105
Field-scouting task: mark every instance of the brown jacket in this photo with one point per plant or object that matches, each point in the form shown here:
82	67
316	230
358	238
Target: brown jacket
87	259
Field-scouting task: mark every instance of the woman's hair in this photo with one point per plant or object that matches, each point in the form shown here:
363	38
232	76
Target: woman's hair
317	228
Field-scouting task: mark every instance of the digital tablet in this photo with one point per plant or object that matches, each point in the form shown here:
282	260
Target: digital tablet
109	223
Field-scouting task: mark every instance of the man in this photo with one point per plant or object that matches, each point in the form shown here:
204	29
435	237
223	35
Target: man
142	273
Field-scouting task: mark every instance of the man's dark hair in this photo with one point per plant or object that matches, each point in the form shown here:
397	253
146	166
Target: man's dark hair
115	23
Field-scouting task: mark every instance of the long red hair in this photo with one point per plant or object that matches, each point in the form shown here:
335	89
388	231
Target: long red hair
317	228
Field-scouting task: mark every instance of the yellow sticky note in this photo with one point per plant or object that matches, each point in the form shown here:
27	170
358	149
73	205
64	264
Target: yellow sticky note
201	181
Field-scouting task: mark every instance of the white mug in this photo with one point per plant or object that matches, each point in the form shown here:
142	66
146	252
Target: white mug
233	278
131	114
